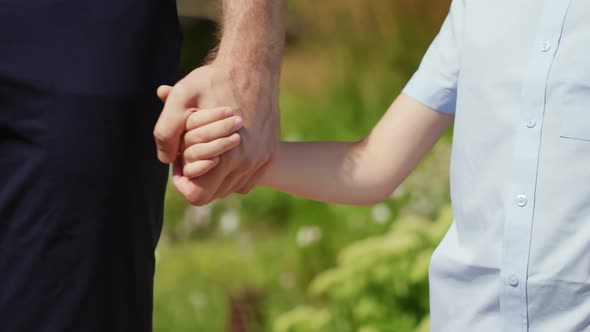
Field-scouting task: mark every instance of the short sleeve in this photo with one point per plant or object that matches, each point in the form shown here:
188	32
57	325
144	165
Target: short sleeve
435	82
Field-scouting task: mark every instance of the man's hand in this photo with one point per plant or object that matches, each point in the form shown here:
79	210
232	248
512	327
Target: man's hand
243	76
252	94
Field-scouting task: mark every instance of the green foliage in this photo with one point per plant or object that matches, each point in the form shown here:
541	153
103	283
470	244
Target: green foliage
380	284
195	278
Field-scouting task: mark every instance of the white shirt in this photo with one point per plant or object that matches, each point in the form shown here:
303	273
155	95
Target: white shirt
516	74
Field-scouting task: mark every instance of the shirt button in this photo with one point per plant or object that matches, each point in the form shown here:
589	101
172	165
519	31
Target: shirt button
521	200
546	46
513	280
531	123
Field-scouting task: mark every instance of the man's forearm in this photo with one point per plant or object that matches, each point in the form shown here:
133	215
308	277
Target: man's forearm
253	32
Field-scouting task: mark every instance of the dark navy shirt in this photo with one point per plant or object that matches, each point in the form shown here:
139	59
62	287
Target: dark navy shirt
81	190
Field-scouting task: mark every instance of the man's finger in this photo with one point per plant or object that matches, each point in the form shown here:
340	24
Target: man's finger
170	125
195	190
188	188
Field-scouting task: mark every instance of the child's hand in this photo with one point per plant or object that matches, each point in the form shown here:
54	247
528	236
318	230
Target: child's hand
209	133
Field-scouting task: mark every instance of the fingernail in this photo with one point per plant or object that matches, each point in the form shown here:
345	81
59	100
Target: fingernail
228	112
238	123
234	138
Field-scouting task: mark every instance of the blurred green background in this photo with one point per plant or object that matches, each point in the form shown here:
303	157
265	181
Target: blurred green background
271	262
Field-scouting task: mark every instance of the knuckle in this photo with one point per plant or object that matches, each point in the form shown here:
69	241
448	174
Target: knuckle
180	89
160	136
192	121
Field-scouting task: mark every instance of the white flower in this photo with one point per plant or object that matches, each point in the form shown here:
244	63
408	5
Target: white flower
229	222
308	235
381	213
197	217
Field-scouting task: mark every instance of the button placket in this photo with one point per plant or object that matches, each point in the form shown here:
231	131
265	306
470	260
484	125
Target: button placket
519	218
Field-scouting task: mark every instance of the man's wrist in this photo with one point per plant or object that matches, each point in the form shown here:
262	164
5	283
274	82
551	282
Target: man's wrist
248	78
262	59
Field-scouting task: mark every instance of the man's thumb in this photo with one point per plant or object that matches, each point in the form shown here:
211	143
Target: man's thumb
163	92
170	125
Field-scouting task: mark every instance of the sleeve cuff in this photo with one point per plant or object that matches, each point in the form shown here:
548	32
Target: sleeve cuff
433	95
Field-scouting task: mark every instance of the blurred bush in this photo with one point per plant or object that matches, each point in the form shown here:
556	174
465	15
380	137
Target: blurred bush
379	285
271	262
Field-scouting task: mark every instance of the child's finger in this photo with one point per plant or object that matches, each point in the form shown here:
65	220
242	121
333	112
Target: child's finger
210	149
213	131
199	167
205	116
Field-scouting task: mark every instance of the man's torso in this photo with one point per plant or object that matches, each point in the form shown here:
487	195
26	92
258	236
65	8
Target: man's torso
81	190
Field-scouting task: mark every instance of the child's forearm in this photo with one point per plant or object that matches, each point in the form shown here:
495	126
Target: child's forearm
325	171
365	172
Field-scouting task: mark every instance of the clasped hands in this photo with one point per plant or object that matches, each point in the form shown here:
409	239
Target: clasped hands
209	134
216	150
